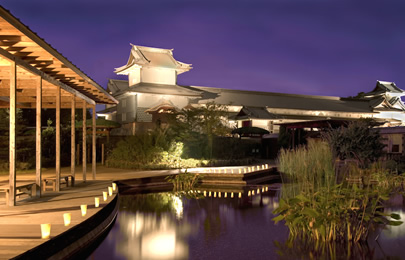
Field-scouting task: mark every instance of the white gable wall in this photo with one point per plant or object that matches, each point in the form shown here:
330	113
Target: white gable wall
134	76
158	75
151	100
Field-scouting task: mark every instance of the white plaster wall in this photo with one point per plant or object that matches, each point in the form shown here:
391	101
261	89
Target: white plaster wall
134	77
158	75
150	100
261	123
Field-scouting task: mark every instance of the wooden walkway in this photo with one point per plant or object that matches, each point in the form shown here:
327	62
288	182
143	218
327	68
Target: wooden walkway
20	225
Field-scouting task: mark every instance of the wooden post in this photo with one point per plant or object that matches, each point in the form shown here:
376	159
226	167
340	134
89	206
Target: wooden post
77	154
73	137
93	163
57	126
84	161
102	153
38	164
12	159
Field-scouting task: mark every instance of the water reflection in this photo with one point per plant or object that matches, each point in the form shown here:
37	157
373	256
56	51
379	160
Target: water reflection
220	224
148	236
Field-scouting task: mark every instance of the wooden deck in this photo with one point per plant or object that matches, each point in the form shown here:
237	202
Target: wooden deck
20	225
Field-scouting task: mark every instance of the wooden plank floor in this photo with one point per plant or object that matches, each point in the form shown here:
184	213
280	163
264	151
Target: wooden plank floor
20	225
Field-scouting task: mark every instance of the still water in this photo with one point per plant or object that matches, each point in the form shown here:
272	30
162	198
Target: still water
226	224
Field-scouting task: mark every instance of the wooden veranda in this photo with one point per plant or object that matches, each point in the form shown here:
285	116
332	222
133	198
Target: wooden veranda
34	75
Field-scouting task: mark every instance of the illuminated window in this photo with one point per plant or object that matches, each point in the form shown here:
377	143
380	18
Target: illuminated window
124	116
124	103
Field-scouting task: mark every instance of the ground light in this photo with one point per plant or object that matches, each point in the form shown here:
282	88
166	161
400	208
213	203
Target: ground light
96	202
83	209
67	217
45	230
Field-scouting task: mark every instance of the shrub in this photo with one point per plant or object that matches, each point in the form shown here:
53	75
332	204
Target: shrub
356	141
135	150
335	213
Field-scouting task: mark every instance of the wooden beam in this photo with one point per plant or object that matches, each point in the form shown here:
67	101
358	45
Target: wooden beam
57	155
94	144
73	137
44	76
84	162
12	148
38	164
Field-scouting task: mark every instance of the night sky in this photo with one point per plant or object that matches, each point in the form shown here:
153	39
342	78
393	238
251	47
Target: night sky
316	47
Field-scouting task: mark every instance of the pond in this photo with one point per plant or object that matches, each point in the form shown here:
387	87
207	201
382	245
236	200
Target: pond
225	225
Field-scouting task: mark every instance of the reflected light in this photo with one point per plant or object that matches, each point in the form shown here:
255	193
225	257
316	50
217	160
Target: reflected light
395	231
159	245
178	206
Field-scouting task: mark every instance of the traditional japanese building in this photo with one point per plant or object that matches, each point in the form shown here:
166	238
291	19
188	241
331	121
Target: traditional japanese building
152	90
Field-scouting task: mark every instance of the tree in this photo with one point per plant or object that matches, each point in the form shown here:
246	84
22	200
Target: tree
359	140
199	125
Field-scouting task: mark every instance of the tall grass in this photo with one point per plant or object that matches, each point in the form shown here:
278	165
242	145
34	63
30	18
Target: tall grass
315	207
309	166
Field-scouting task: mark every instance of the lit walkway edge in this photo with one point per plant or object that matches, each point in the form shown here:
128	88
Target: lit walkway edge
76	240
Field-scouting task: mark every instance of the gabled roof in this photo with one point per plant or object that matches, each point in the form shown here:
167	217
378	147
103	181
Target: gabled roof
383	87
163	104
384	95
162	89
116	85
285	101
141	56
255	113
20	43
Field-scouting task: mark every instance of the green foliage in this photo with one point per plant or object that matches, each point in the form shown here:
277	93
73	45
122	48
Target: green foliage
196	127
311	165
356	141
172	157
184	180
335	213
315	208
136	151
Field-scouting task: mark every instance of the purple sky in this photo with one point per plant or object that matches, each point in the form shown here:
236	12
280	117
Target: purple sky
316	47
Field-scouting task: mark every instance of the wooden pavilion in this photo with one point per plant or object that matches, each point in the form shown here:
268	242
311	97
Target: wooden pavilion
34	75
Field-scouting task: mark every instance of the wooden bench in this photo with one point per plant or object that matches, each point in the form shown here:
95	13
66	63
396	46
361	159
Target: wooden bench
29	189
51	182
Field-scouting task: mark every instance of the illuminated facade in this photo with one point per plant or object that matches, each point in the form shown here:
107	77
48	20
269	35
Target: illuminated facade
151	91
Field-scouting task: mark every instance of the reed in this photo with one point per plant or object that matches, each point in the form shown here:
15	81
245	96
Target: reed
310	166
316	208
184	180
335	213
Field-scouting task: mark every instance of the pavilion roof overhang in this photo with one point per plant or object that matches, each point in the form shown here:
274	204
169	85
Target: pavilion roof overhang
34	59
